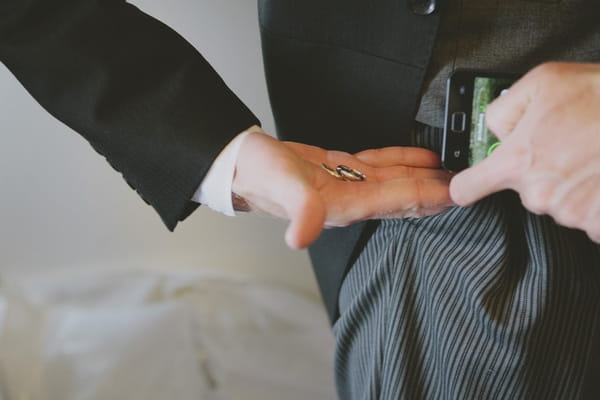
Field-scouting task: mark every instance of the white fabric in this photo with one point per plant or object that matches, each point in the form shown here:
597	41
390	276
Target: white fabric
153	336
215	189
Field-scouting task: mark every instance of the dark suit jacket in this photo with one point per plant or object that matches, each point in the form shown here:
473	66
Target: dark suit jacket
342	74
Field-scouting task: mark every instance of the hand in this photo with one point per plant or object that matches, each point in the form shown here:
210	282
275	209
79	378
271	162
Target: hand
286	180
549	125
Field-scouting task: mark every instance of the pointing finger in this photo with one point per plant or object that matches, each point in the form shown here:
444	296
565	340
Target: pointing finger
483	179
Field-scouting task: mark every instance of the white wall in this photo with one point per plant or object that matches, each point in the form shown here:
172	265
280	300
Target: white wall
62	206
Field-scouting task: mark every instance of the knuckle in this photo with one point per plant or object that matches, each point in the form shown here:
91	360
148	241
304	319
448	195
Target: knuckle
538	198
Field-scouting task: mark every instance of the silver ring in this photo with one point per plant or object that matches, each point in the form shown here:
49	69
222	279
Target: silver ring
350	174
345	173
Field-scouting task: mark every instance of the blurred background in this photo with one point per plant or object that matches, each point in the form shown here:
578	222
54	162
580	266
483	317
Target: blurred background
75	238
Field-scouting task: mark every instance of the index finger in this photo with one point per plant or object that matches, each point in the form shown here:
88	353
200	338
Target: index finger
486	177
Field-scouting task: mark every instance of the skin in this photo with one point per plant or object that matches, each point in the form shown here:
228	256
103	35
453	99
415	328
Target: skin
286	180
549	125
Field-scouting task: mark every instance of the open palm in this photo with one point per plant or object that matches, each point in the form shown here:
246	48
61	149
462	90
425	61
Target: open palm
286	180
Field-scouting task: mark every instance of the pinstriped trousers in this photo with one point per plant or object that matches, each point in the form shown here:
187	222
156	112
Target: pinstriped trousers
484	302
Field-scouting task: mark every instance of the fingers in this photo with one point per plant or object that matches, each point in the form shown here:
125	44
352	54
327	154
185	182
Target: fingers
288	182
504	114
483	178
379	158
391	156
397	172
409	198
378	164
394	198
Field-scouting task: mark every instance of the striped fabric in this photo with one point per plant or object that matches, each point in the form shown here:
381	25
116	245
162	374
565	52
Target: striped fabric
484	302
427	136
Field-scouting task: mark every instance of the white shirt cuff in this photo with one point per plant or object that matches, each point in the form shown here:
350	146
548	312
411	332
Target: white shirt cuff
215	189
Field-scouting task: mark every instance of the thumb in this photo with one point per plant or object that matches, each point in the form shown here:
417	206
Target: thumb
306	212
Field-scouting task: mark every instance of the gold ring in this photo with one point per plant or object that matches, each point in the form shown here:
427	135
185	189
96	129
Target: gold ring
344	173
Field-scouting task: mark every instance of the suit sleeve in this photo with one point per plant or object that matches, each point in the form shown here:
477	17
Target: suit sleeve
141	95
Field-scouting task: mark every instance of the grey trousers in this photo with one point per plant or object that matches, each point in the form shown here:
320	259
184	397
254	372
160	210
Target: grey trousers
485	302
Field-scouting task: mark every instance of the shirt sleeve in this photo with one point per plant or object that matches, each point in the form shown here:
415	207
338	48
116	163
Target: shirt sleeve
215	189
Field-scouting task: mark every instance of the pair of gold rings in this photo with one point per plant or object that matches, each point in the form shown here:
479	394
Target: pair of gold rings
345	173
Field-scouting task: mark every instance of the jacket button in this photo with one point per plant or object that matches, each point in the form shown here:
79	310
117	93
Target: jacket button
422	7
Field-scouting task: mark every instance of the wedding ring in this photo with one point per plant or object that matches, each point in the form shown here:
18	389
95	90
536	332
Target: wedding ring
332	171
350	174
345	173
